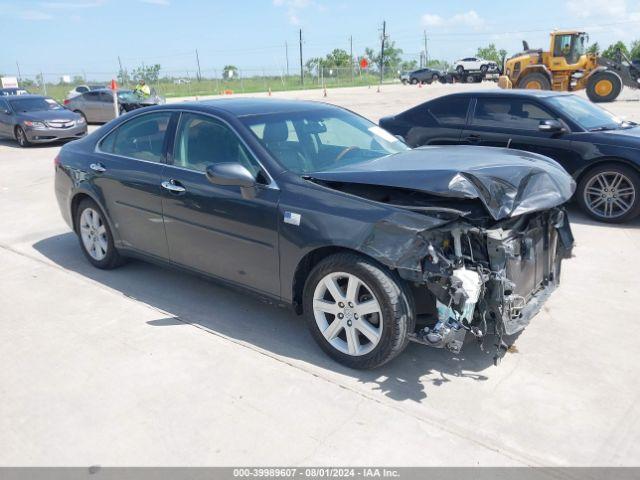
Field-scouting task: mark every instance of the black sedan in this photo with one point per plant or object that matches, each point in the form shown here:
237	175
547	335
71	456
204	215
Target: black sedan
33	119
316	207
599	150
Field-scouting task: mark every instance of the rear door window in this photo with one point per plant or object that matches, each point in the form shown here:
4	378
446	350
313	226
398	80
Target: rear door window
449	111
141	138
509	113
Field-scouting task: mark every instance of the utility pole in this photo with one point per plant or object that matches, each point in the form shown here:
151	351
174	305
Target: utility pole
351	50
198	62
426	55
301	69
384	37
122	79
19	74
286	54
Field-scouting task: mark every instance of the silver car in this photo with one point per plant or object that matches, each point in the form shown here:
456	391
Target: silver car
96	106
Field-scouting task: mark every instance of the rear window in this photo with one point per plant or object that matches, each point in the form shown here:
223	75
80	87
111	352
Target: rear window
445	111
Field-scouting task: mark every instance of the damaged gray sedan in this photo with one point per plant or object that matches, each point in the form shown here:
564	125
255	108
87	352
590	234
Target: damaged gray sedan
313	206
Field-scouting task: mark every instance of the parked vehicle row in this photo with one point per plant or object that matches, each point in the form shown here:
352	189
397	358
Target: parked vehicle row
599	150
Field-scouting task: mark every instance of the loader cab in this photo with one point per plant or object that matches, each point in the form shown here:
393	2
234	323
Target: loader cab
567	49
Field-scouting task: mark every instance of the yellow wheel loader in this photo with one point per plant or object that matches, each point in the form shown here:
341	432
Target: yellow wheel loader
567	67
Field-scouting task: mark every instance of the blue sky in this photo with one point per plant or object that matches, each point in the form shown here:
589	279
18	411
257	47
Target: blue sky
75	36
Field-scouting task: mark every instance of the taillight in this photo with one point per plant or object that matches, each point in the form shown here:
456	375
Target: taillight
66	101
56	161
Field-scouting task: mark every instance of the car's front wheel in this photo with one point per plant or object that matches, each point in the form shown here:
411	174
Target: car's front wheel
358	311
610	193
414	81
96	239
21	137
460	69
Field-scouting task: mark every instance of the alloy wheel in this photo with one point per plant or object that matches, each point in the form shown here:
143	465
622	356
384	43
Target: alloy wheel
94	234
21	137
609	194
347	313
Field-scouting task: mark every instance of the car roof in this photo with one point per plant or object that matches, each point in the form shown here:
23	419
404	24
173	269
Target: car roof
523	93
28	95
241	107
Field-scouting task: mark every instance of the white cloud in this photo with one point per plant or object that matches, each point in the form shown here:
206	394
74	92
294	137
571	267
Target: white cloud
72	5
597	8
294	8
469	19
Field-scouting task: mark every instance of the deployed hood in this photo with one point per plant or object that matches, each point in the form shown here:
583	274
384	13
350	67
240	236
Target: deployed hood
508	182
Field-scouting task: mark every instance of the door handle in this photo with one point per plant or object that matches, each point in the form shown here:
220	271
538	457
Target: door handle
97	167
473	139
173	186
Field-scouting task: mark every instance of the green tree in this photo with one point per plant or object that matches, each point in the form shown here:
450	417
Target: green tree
392	56
123	77
594	49
313	65
611	50
634	54
337	58
148	73
490	52
409	65
229	72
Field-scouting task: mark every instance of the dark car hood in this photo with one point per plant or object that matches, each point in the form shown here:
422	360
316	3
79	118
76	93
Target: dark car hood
623	137
49	115
507	182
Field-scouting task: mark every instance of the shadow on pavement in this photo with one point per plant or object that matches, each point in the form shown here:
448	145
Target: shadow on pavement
246	318
577	216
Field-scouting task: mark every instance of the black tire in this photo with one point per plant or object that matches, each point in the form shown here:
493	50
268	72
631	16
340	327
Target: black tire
435	78
460	70
21	137
470	79
535	78
628	172
398	317
484	68
613	87
112	259
404	81
414	81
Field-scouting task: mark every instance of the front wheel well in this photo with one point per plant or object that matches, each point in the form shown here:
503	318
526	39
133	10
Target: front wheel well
605	161
75	201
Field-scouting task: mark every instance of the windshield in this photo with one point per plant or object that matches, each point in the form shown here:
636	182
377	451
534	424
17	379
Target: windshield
34	104
585	113
127	96
318	140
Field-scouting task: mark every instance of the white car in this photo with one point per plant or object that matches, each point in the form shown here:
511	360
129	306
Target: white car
474	64
80	89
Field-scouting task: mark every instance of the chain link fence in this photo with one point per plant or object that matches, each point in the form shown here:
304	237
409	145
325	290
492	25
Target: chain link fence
187	83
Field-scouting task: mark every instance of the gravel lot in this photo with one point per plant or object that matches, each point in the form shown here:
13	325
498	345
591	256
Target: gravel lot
148	366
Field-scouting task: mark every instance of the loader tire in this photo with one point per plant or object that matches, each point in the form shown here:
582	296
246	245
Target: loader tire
604	87
535	81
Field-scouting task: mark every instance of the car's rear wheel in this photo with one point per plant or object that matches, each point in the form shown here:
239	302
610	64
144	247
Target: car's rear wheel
435	78
21	137
610	193
484	68
460	69
358	311
96	239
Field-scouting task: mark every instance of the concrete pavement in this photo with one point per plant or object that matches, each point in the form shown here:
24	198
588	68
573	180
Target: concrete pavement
149	366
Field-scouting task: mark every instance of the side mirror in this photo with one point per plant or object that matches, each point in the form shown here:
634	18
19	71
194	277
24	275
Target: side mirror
551	126
230	174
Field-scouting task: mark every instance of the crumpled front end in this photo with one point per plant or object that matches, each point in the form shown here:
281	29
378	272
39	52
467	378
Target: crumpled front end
486	279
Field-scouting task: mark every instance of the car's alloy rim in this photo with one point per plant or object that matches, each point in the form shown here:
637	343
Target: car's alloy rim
347	313
94	234
609	194
21	138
